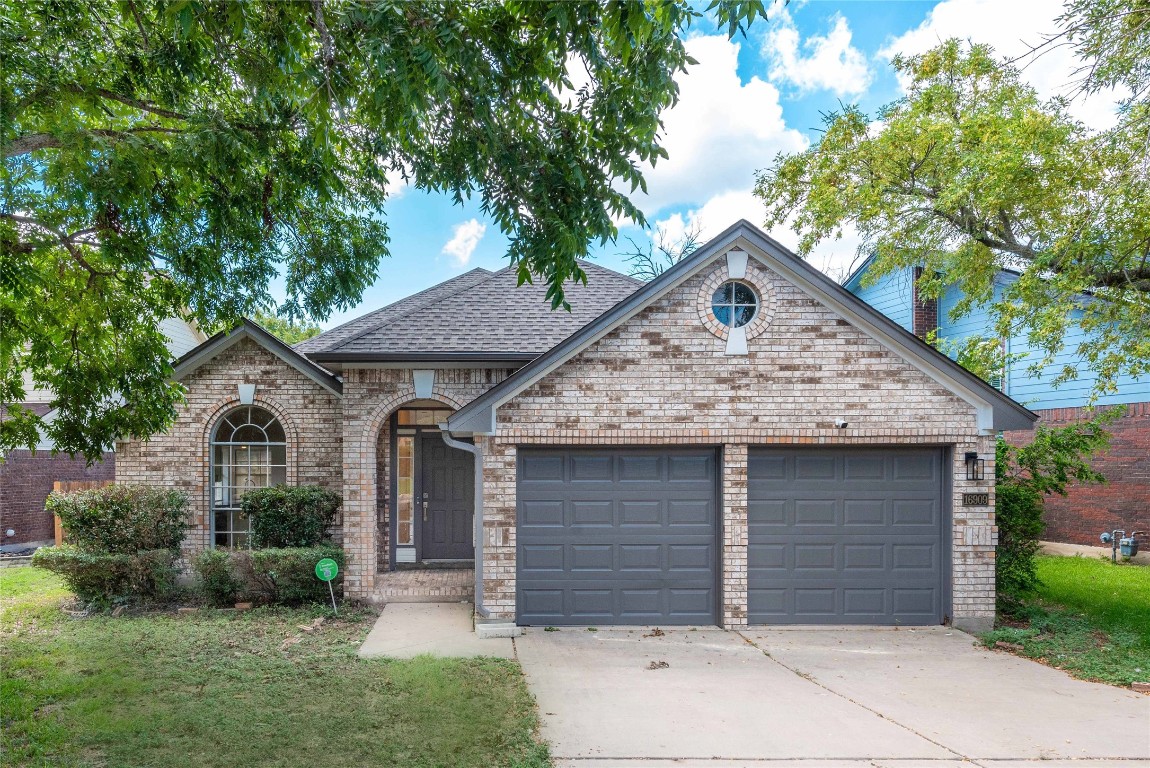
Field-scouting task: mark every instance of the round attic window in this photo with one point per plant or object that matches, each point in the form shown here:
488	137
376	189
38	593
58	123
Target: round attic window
735	304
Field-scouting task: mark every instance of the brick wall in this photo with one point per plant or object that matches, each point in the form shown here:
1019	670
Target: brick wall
370	397
925	310
663	379
26	480
309	413
1124	501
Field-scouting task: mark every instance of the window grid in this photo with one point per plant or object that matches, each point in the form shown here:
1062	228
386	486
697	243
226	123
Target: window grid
249	451
735	304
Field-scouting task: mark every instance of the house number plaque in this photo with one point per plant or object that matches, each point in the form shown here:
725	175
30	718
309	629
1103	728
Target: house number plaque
976	499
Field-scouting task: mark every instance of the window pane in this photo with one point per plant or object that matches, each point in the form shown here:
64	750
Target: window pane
249	433
723	314
744	294
743	315
237	469
405	488
723	295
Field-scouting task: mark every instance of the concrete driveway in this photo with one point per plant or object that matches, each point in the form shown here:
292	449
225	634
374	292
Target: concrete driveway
826	698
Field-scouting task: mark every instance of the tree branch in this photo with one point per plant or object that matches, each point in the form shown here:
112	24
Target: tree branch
32	142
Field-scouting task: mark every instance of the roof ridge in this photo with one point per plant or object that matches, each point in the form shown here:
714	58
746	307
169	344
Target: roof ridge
403	300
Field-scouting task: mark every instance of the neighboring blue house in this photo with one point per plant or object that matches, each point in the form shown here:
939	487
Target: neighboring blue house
1125	501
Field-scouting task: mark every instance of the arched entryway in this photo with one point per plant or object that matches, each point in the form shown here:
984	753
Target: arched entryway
426	491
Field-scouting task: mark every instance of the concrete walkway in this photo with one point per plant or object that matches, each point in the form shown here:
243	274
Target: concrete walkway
406	630
828	698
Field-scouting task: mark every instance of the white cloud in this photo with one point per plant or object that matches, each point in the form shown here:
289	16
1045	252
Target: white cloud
821	62
465	238
832	257
717	136
1012	29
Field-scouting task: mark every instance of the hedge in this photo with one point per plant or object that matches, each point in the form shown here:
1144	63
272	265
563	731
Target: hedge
104	578
122	519
290	516
284	576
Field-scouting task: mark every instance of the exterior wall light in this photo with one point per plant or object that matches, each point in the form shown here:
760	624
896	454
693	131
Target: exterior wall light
975	467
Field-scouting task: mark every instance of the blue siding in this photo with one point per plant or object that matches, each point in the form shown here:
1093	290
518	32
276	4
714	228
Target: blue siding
1038	392
892	295
973	323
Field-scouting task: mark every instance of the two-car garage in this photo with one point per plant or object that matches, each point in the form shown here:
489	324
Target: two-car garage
617	536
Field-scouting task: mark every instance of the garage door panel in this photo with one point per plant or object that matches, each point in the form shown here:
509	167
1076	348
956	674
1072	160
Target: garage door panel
845	535
639	537
541	558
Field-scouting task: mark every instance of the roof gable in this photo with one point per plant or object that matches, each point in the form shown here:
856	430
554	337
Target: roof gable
249	329
996	411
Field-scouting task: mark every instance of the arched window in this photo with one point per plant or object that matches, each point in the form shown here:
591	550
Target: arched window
249	450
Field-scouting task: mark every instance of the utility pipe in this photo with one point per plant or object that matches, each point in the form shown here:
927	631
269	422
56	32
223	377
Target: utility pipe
476	450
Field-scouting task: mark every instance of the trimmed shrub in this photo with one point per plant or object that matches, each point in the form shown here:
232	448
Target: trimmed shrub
287	576
217	582
290	516
278	576
105	578
122	519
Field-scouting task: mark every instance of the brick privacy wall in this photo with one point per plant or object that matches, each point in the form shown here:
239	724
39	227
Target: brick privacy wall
310	414
1123	502
925	310
26	480
370	397
663	379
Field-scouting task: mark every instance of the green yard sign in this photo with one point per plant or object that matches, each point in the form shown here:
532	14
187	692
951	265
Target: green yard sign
326	570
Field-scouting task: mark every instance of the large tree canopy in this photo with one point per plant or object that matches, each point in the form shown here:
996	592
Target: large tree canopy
970	173
171	157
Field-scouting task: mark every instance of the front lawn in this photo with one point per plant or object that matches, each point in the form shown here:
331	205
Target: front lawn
216	688
1089	617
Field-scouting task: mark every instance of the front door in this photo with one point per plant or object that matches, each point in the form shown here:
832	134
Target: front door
447	484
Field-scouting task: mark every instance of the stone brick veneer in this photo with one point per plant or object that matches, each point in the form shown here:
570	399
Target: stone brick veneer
310	414
1124	501
663	378
370	396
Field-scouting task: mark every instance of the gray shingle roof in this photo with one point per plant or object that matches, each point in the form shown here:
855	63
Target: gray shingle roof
333	338
485	315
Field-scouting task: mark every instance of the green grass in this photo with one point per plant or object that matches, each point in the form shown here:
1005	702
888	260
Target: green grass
1089	617
219	688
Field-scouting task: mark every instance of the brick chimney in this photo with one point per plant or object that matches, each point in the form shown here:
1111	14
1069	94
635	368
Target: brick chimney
925	310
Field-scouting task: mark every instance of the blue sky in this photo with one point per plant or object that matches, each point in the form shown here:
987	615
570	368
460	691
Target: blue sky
746	100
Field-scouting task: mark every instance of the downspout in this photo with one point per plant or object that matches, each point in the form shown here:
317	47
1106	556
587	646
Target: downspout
475	450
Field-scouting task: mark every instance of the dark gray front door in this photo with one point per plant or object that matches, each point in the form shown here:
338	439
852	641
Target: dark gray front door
447	484
617	536
849	536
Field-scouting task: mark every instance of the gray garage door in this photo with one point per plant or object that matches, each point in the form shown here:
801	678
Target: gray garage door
846	536
617	536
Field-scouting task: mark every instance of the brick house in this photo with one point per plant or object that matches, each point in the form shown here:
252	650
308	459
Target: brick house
1079	517
738	441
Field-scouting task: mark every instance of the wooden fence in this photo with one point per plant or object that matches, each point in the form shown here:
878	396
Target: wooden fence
71	486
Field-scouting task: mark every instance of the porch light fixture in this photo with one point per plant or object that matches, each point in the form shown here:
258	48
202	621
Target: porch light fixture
975	467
